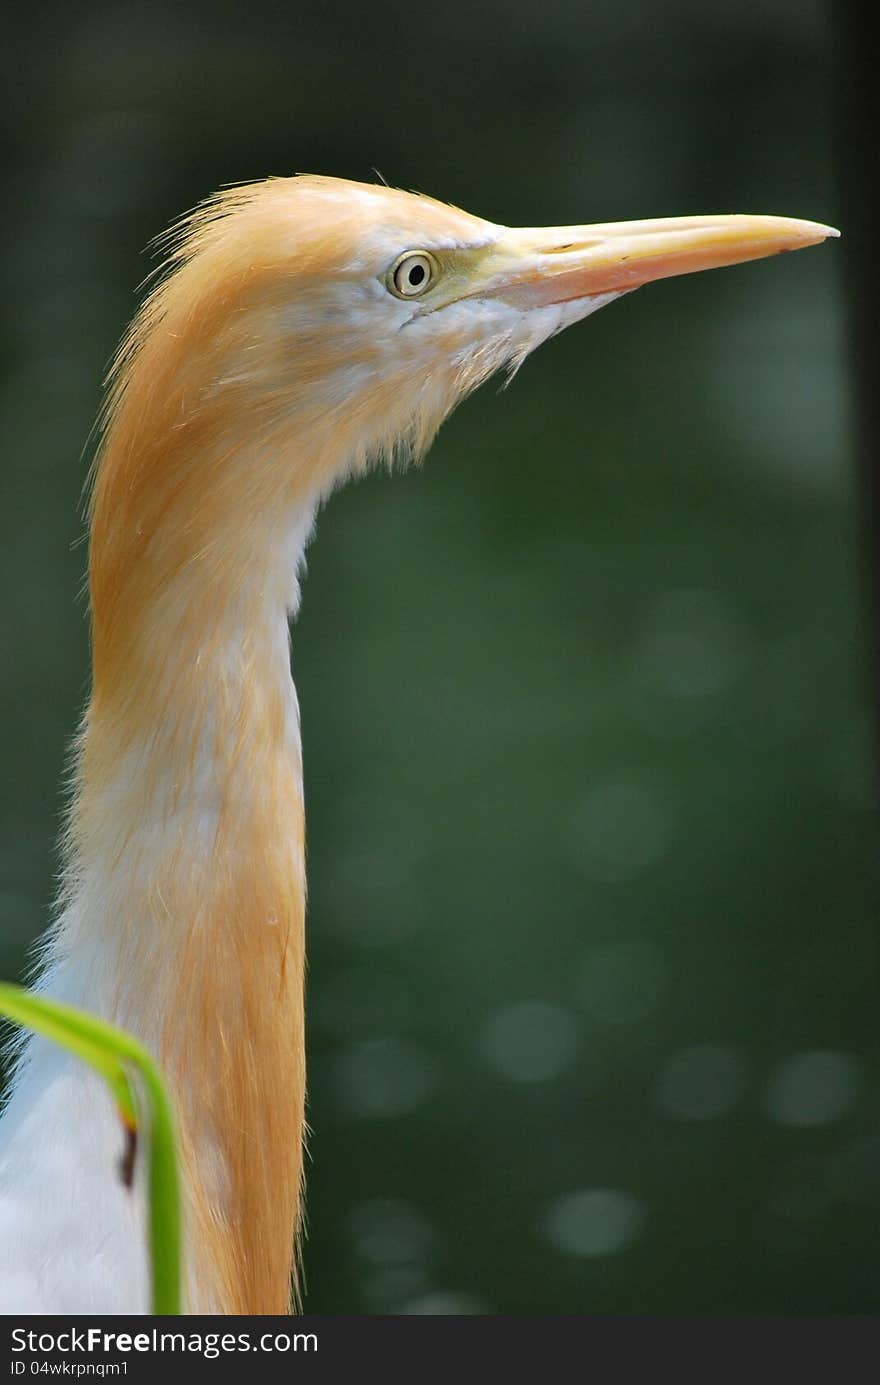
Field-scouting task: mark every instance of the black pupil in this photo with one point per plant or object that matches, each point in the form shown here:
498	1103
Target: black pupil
416	275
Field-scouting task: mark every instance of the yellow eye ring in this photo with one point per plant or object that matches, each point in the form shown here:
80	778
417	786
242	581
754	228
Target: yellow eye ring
412	274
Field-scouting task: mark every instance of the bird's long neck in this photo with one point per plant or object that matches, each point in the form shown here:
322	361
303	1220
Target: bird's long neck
186	844
188	874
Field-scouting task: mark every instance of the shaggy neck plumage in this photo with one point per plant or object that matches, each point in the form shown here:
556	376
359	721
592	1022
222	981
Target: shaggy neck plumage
187	866
186	843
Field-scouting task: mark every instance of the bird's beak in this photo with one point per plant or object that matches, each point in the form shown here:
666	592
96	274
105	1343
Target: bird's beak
532	268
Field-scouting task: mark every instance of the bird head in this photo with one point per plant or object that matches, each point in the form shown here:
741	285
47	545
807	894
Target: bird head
362	314
307	326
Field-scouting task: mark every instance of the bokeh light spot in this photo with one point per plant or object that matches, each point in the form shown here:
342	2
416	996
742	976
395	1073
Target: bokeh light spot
446	1303
622	828
692	645
383	1077
812	1088
530	1042
384	1289
594	1222
389	1231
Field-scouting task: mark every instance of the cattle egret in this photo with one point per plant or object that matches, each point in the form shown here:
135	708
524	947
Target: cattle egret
304	328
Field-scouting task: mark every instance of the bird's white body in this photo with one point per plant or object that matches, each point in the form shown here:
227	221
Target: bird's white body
308	327
72	1237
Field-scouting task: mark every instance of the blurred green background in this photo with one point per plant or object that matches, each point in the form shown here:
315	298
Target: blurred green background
588	743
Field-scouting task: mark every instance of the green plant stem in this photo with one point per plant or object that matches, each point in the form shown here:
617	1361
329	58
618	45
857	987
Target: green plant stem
116	1055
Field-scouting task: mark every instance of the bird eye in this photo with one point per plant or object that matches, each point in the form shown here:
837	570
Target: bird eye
412	274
